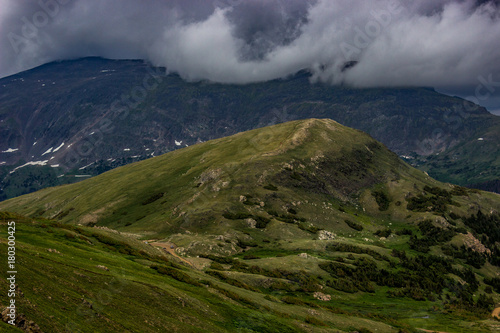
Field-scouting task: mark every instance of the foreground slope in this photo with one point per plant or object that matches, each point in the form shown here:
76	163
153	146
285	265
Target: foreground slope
302	226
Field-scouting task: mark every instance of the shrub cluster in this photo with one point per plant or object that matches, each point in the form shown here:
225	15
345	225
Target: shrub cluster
176	274
432	235
382	200
434	200
354	225
342	247
152	198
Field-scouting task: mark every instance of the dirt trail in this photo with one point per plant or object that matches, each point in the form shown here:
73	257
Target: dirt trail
167	248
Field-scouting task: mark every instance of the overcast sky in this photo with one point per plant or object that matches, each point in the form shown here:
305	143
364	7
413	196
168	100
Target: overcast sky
452	45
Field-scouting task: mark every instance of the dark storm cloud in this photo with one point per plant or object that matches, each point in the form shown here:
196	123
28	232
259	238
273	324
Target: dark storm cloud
448	44
264	25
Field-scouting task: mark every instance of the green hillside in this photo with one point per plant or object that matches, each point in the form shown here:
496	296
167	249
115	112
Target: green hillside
304	226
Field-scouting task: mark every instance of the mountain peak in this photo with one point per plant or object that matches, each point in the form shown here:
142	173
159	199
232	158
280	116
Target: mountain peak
197	184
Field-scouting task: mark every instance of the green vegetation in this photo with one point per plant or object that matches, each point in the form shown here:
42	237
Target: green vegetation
202	245
472	162
382	200
271	187
435	199
354	225
432	235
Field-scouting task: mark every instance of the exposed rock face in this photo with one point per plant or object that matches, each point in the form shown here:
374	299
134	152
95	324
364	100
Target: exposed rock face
322	297
473	243
326	235
209	175
251	223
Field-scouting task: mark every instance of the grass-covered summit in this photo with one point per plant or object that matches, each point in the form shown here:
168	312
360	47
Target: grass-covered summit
302	226
254	172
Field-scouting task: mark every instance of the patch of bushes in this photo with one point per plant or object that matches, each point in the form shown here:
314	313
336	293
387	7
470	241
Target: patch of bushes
437	201
216	266
488	225
437	191
404	231
246	243
249	202
383	232
221	276
280	285
176	274
314	321
354	225
349	279
250	257
432	235
309	228
153	198
471	257
459	190
287	218
63	214
342	247
306	282
493	282
292	300
262	221
297	301
236	216
234	296
270	187
116	245
220	260
421	277
382	200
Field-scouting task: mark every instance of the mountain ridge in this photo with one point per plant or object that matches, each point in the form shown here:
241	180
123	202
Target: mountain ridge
266	145
91	117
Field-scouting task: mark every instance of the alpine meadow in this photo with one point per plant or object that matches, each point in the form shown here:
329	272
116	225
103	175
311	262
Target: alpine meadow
250	166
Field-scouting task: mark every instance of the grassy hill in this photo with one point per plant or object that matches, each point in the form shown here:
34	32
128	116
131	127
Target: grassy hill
304	226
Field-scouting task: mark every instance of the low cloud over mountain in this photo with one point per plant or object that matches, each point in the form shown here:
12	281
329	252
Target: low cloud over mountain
449	44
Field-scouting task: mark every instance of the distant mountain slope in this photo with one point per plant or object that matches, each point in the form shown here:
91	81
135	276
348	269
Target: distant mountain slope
492	186
302	226
474	162
87	116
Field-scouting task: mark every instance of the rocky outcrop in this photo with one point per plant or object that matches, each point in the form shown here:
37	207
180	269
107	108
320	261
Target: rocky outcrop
21	322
